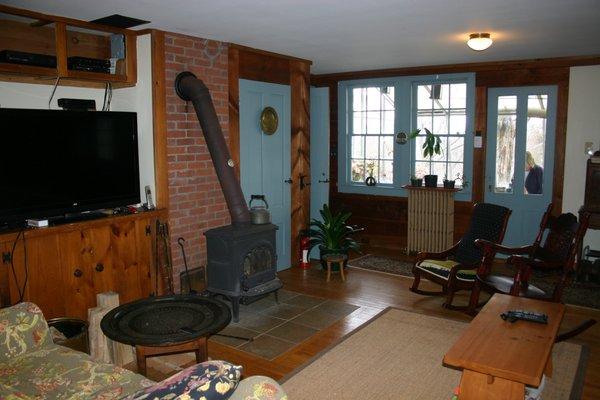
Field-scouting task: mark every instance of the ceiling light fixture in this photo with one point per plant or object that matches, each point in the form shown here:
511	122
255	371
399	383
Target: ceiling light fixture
479	41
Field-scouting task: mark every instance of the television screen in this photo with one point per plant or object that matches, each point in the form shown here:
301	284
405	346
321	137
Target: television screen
57	162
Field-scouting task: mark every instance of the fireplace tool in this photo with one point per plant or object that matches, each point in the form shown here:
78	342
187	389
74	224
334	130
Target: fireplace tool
181	242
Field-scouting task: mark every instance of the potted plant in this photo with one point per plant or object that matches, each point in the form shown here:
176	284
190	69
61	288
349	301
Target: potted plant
461	177
431	146
449	183
332	235
416	182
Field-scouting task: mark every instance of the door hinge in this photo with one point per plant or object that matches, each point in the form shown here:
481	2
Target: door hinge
148	230
6	257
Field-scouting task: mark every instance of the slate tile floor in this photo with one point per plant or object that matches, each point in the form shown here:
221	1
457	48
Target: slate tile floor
276	328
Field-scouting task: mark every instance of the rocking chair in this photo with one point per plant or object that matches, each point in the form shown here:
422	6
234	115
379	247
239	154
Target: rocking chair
454	269
557	256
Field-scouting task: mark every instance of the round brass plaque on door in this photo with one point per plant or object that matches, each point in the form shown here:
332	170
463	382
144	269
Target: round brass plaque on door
269	120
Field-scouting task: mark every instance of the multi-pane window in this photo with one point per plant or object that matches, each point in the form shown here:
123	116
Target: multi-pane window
441	108
372	134
377	115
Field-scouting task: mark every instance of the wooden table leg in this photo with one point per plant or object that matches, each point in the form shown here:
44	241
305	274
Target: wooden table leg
202	350
475	386
140	356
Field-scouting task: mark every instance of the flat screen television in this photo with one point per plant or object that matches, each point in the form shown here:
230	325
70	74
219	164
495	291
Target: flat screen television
60	162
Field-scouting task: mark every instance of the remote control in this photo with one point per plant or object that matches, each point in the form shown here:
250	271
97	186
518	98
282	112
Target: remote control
514	315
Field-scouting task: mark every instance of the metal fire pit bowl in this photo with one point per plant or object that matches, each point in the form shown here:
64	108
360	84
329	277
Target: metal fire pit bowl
167	320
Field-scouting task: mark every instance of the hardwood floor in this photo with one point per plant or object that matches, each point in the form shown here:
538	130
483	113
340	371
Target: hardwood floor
373	292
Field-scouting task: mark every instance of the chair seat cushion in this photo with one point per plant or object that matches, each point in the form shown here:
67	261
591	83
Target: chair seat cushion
503	284
441	268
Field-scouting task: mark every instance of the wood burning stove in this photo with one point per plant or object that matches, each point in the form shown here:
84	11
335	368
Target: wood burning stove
242	260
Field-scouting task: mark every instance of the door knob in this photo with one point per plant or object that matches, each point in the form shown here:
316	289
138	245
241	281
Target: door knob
290	181
99	267
78	273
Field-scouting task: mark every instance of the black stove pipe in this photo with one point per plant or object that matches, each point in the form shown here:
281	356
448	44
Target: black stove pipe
192	89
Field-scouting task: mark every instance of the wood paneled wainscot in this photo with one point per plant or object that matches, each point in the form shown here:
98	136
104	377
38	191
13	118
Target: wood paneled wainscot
68	265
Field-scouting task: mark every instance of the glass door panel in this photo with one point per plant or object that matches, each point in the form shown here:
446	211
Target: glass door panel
506	134
535	146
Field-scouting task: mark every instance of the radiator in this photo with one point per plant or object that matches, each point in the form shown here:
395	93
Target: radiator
430	219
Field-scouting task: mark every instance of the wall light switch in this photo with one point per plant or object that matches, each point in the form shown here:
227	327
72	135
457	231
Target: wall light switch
478	142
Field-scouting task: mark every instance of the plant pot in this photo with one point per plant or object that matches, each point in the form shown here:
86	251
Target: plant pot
430	180
418	182
334	266
448	184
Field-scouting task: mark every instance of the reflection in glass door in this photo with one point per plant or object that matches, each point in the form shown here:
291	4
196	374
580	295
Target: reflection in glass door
520	150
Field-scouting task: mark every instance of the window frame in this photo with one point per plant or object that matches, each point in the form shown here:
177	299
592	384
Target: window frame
405	103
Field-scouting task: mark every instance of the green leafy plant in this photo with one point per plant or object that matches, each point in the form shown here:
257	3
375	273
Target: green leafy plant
332	233
432	145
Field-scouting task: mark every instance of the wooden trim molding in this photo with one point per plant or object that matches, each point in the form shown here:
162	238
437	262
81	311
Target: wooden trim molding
159	120
233	71
247	49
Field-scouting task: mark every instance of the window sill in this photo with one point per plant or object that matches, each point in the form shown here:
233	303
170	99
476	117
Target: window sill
460	195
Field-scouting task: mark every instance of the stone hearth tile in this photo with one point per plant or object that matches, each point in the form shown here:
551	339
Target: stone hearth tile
259	305
304	301
315	319
267	346
286	294
292	332
236	331
283	311
337	308
259	322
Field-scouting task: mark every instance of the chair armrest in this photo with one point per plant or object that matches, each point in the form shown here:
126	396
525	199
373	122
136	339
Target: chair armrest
425	255
258	388
486	245
23	329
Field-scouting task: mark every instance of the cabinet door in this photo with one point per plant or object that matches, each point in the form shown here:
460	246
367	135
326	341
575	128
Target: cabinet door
86	262
131	254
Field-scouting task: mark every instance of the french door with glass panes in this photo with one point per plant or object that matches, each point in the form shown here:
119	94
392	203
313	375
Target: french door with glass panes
520	156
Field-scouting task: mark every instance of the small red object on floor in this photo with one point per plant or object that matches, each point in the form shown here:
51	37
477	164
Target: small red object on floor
304	250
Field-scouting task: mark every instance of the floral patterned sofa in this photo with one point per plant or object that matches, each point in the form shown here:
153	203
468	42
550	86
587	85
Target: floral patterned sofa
33	367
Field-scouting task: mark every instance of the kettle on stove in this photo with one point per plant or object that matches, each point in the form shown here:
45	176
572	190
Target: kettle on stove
259	214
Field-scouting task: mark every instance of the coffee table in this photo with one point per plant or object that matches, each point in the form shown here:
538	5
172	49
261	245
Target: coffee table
499	358
166	325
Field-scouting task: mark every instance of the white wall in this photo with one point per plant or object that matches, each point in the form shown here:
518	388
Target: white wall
136	99
583	125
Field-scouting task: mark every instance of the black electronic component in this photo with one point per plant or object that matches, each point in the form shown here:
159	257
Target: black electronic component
120	21
514	315
88	64
77	104
23	58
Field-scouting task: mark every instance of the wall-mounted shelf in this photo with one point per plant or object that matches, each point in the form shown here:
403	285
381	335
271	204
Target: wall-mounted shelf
60	39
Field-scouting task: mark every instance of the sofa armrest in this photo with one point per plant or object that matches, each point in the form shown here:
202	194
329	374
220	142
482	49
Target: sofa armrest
258	388
23	329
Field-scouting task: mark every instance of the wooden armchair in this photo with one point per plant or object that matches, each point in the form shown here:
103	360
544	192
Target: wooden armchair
454	269
557	253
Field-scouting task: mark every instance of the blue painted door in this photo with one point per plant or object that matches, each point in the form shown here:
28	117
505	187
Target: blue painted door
520	156
319	153
265	159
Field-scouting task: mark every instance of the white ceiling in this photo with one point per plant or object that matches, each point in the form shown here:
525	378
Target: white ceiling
348	35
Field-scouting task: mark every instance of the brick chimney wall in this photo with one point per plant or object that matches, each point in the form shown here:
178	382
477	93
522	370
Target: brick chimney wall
196	201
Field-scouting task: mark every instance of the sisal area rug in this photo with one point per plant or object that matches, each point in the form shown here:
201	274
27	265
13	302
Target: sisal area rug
398	355
576	294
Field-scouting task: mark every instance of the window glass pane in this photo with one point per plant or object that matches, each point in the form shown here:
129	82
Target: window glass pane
423	99
357	171
440	96
419	141
458	123
372	169
456	148
455	171
424	121
439	169
359	123
386	148
537	107
386	172
388	99
372	147
458	95
358	147
373	98
440	124
443	150
373	122
421	169
359	99
505	143
387	123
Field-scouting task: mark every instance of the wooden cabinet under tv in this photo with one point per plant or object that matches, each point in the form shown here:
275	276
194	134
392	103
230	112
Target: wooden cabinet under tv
67	265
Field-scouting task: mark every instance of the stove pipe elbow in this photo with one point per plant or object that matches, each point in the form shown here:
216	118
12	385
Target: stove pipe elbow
190	88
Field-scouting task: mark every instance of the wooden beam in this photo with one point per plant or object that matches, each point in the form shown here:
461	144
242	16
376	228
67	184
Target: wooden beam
247	49
159	120
478	180
234	106
300	143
